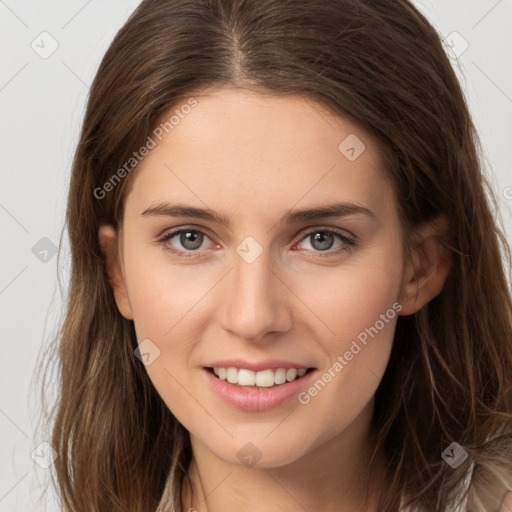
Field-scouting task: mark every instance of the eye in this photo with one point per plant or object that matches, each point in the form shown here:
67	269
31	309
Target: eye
322	240
190	240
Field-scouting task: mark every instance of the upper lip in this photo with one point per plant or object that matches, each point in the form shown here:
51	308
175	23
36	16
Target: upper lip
268	364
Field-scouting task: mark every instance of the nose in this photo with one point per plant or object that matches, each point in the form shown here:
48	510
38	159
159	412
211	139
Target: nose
254	300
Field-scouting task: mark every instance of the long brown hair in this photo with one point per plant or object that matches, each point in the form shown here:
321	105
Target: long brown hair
382	64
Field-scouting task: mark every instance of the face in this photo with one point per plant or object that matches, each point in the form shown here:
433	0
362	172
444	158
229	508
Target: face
268	288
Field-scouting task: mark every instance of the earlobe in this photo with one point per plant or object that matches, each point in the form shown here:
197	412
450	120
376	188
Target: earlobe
426	272
108	242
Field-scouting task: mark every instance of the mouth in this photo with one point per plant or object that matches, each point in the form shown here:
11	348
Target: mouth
258	391
265	379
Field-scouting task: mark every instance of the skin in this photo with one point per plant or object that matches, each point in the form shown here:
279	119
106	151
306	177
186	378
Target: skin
507	503
253	158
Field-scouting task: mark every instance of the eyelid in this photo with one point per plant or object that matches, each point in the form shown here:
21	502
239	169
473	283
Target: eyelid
329	229
346	238
172	232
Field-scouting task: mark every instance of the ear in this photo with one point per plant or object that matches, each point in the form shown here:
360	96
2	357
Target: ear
109	245
506	506
425	274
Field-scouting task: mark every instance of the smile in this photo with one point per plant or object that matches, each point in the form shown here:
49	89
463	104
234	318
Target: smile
264	378
264	394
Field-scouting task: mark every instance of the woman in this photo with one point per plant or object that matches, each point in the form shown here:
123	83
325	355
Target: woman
287	290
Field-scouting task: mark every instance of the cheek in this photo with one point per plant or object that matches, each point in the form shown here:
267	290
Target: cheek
167	301
350	298
161	293
361	318
163	301
358	308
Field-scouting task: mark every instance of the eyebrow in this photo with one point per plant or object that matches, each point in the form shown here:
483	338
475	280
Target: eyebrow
340	209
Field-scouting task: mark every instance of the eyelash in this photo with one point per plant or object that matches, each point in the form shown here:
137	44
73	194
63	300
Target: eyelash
350	242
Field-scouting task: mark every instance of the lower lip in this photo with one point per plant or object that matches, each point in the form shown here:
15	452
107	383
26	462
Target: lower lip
256	399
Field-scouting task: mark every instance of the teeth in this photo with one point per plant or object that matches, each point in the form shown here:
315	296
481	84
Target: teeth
264	378
291	374
248	378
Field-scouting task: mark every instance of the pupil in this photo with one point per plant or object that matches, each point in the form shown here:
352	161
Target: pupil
321	238
191	239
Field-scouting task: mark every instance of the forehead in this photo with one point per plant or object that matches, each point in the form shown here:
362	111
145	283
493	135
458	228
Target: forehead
239	149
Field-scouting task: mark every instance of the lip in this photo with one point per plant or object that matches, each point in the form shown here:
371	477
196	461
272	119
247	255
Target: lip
269	364
257	400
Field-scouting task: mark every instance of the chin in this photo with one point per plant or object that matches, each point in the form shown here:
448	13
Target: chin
262	453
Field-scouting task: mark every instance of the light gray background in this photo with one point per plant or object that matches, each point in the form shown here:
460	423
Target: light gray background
42	103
